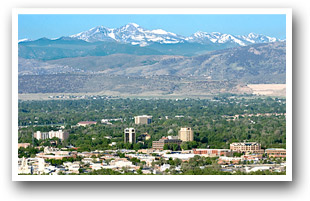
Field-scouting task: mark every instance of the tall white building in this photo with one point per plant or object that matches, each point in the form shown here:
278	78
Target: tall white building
41	135
49	135
129	135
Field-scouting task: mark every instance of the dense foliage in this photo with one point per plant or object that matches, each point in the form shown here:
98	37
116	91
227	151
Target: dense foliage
213	121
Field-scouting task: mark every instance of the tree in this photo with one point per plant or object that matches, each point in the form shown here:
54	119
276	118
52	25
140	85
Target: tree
139	171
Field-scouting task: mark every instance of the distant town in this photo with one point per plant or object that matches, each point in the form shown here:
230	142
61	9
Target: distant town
163	158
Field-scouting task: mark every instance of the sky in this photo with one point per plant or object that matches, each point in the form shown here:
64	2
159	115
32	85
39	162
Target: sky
56	25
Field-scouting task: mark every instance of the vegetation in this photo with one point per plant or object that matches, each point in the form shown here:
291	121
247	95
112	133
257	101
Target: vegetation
213	121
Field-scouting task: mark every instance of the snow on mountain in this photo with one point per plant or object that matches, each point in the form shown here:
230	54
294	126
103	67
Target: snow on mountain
99	33
136	35
24	40
216	37
258	38
131	33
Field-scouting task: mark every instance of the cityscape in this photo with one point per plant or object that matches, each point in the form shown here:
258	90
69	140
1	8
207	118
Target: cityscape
145	96
135	151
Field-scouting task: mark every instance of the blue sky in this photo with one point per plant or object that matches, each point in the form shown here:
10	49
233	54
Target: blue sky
54	26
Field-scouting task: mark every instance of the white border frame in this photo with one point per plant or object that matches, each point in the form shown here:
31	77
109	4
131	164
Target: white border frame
286	11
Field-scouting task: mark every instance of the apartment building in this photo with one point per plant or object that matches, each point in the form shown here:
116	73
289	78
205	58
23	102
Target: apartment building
49	135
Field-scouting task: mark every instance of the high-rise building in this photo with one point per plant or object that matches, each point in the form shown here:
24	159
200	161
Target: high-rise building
49	135
129	135
186	134
144	119
41	135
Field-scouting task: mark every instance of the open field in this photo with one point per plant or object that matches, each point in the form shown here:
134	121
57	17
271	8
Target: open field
268	89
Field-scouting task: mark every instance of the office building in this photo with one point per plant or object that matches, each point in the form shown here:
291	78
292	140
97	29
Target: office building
144	119
129	135
165	140
186	134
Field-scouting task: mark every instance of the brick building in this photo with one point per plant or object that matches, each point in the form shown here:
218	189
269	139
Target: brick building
161	143
245	147
276	153
213	152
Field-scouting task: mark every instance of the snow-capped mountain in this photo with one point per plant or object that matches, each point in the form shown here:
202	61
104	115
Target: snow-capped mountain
258	38
24	40
130	33
216	37
136	35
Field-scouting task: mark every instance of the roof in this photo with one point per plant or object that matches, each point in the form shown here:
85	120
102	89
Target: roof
87	122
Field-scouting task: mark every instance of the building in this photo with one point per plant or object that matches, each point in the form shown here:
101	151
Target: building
161	143
25	145
129	135
59	134
38	135
144	119
121	162
186	134
252	157
229	160
276	153
213	152
49	135
31	165
183	157
144	136
86	123
244	147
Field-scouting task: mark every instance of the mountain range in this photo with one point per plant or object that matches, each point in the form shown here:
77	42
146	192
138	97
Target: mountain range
134	60
134	34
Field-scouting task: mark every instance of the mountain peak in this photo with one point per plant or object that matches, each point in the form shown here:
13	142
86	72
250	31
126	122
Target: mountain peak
133	24
134	34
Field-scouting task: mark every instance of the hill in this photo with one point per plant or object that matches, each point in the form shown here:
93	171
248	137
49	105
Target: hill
259	63
221	71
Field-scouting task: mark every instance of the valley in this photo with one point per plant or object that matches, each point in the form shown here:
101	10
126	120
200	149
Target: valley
151	63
